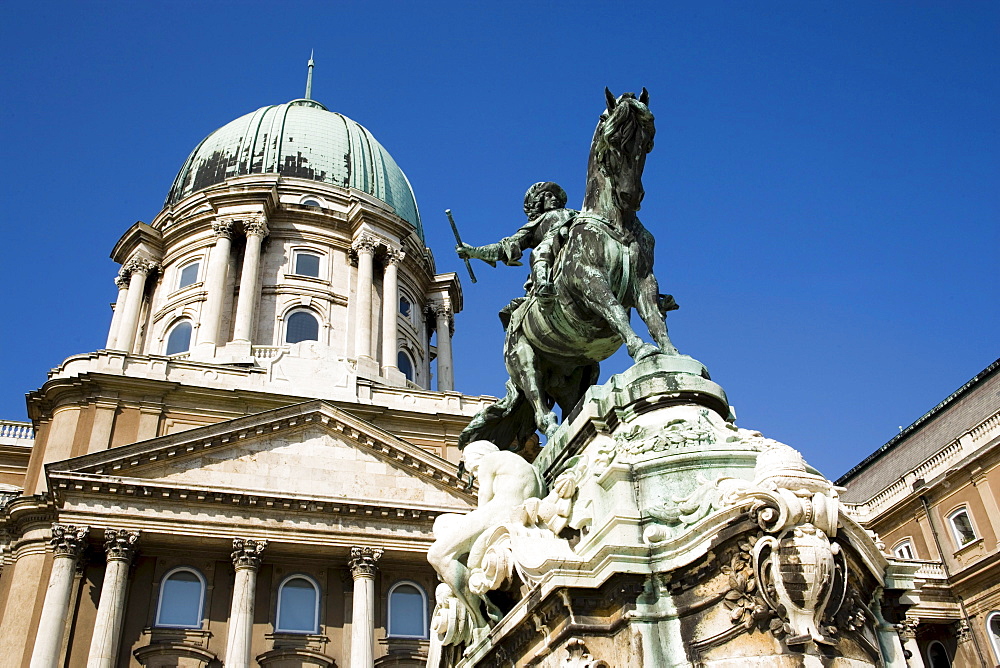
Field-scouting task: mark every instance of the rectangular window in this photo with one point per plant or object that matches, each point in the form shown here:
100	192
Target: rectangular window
307	264
189	275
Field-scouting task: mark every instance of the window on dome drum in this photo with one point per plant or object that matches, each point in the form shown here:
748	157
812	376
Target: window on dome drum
307	264
961	527
405	307
993	631
312	202
179	339
405	364
188	275
937	656
904	550
298	605
301	326
407	611
182	595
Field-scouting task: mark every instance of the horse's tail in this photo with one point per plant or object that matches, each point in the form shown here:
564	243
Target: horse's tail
508	423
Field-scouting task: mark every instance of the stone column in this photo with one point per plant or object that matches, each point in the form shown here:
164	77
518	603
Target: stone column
215	280
138	268
246	560
68	542
119	545
363	569
908	635
116	318
246	305
390	308
446	376
364	247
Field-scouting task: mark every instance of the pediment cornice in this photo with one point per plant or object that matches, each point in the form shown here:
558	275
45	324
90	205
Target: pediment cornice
119	470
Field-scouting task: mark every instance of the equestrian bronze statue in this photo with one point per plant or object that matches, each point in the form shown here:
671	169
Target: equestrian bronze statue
576	314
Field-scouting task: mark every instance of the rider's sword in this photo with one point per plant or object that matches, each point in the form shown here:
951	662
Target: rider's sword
454	228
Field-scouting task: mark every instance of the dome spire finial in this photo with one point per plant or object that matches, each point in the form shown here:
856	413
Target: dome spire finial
309	77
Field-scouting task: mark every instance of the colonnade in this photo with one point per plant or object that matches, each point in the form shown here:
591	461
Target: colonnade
68	543
133	277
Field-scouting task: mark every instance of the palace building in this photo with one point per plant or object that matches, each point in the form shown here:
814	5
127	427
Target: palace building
248	473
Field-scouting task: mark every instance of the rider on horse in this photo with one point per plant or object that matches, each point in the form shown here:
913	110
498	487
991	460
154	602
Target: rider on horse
544	204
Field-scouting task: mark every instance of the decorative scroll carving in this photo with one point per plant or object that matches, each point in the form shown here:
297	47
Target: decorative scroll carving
578	656
393	256
363	561
255	225
119	544
365	244
138	264
246	553
69	540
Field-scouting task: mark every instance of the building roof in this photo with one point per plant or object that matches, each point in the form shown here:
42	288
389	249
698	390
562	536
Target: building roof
957	413
300	139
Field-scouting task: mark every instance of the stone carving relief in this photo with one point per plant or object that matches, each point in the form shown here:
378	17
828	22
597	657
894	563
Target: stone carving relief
69	540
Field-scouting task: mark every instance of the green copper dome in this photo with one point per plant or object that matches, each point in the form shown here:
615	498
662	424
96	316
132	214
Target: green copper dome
300	139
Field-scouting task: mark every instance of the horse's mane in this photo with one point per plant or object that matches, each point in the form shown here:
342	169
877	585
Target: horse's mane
620	127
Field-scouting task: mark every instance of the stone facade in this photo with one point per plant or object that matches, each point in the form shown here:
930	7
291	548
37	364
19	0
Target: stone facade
198	492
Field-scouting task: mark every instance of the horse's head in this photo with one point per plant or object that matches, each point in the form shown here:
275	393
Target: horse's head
624	136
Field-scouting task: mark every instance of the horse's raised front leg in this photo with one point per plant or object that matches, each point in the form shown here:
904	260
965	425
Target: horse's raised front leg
523	367
597	294
647	304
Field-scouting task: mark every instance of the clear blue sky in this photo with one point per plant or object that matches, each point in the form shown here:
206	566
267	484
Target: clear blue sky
825	186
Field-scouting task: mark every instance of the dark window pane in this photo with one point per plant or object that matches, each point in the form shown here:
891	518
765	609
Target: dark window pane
405	307
406	607
179	340
189	275
180	600
963	527
302	327
405	365
938	656
311	202
307	264
297	606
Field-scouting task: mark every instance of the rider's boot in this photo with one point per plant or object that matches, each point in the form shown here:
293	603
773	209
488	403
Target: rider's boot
545	291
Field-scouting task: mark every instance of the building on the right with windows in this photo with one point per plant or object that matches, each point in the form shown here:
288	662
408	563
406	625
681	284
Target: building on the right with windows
930	494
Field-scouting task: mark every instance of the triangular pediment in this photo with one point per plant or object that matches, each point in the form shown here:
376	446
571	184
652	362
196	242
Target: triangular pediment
304	453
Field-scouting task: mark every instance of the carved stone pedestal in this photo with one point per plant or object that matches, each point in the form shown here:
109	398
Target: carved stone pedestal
671	537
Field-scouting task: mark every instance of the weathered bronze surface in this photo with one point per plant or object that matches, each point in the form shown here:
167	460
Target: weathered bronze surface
589	269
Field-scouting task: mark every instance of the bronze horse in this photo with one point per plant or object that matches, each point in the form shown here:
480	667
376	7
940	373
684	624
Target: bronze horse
553	350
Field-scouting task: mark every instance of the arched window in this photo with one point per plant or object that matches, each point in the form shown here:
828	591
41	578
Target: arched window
188	275
904	549
961	527
179	339
310	201
306	263
937	656
298	605
301	326
182	597
407	611
405	364
993	632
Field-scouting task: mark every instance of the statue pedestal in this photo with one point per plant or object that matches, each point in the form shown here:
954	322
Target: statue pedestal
671	537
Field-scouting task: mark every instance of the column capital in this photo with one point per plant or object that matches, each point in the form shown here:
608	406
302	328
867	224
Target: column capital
366	243
119	544
440	310
907	629
363	561
68	540
121	280
138	264
223	227
246	553
393	256
256	225
963	632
